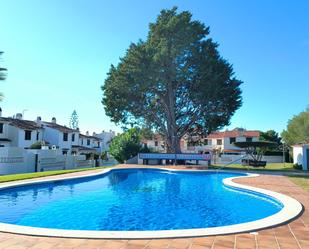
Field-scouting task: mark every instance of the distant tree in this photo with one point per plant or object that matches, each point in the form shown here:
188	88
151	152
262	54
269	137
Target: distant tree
175	81
297	130
126	145
271	136
146	133
2	75
74	120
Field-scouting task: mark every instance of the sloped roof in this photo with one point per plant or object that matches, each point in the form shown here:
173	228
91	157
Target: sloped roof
22	124
234	133
88	136
58	127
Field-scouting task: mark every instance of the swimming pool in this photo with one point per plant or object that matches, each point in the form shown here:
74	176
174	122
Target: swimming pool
136	202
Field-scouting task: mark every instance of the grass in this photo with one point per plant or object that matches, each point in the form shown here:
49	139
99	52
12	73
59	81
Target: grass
302	181
269	167
16	177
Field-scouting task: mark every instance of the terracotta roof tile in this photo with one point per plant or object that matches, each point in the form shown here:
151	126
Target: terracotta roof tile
22	124
234	133
59	127
88	136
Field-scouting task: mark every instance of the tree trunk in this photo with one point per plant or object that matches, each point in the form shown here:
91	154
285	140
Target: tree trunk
173	144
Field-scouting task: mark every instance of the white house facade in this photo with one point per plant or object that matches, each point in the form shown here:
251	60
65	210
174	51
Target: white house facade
301	155
59	136
223	141
105	137
16	132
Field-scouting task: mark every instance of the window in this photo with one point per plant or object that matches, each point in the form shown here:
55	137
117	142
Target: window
37	136
208	142
1	127
156	143
65	136
82	141
248	139
219	141
88	141
73	137
27	135
98	144
232	140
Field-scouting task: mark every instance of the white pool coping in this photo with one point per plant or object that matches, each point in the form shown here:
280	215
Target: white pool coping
291	209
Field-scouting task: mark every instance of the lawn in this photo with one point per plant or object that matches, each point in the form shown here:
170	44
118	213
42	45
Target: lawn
302	181
9	178
269	167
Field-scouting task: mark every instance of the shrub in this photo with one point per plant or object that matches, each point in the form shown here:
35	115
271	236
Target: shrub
36	146
297	166
125	145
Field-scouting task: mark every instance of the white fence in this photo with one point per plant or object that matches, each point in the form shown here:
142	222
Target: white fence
17	160
223	159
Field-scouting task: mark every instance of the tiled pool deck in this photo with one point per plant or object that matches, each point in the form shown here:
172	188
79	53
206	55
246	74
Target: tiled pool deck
288	236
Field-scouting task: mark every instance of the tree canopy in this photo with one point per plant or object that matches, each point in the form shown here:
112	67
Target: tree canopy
126	145
271	136
74	120
175	81
2	70
297	129
2	75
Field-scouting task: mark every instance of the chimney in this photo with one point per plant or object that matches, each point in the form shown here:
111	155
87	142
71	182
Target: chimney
87	133
19	116
93	134
54	120
0	112
39	120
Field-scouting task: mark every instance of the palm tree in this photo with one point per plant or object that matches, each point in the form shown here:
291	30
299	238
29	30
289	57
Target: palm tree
2	76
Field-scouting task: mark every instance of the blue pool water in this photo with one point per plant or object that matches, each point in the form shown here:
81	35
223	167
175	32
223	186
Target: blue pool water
135	199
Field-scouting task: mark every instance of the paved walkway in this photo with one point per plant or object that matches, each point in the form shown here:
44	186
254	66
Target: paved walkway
288	236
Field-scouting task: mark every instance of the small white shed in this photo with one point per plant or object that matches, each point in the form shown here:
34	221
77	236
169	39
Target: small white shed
301	155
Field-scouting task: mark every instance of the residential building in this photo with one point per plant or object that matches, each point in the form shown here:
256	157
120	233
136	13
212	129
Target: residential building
106	137
59	136
223	141
155	144
88	144
16	132
220	141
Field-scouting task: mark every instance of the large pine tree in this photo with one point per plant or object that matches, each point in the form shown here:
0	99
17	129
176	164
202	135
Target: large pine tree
175	81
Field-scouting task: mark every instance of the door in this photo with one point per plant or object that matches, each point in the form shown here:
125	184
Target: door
307	159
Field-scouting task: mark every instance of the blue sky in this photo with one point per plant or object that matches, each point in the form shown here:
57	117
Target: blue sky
58	53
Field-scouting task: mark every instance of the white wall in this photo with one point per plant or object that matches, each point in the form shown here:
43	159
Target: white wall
55	137
5	133
22	143
298	155
14	160
51	135
106	138
237	159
